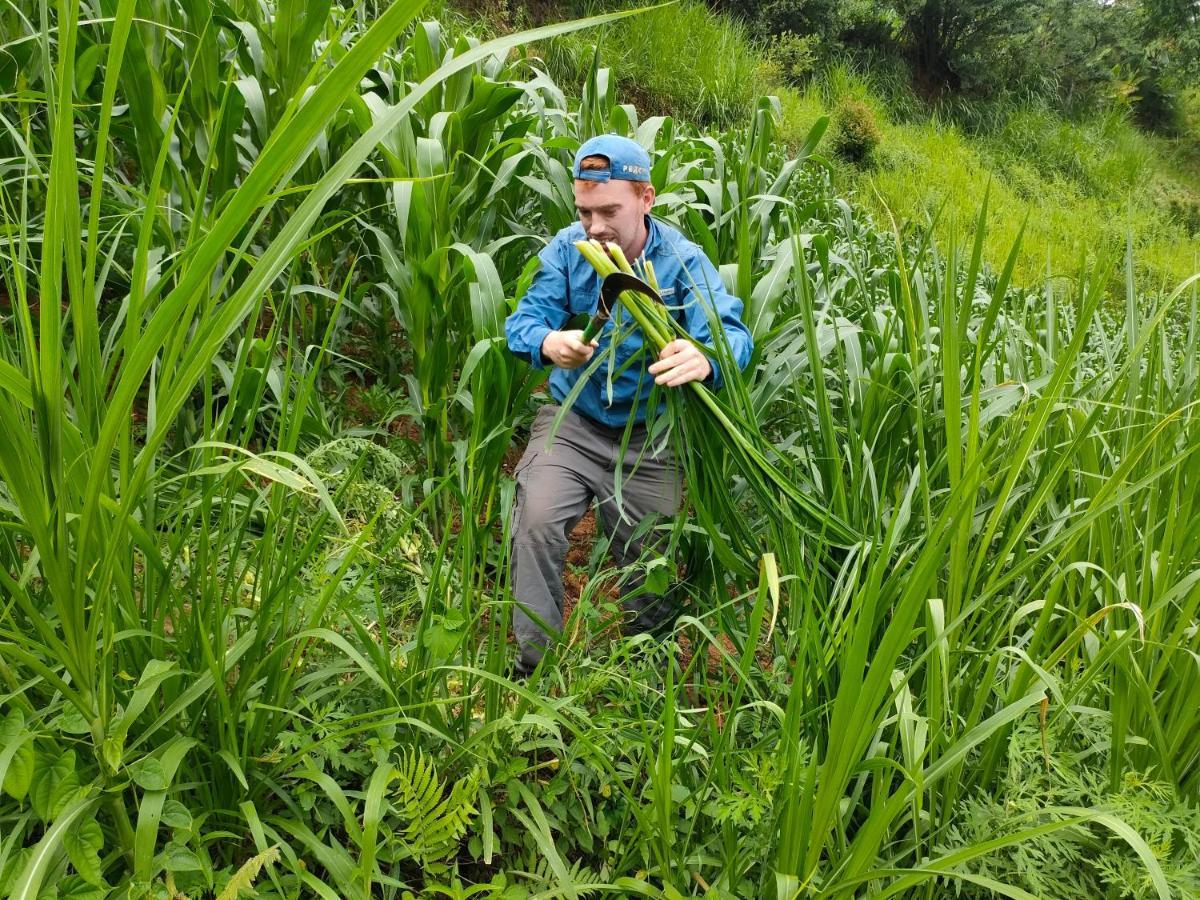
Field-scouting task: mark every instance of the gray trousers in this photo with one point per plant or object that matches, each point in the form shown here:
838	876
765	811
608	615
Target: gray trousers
555	485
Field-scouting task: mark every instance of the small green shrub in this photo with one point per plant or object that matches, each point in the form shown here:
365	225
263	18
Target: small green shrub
795	55
856	133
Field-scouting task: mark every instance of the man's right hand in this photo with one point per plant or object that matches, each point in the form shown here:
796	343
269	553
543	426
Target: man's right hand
567	350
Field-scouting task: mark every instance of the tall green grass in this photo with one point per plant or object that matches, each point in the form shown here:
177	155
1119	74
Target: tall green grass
239	644
716	78
163	582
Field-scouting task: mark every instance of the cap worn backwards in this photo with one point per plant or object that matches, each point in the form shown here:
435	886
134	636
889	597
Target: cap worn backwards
626	159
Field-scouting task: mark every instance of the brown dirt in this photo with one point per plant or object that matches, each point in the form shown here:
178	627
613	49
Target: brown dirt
405	427
715	660
266	319
359	413
581	539
575	579
512	456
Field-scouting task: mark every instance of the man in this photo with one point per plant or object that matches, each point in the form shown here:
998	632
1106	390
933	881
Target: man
557	482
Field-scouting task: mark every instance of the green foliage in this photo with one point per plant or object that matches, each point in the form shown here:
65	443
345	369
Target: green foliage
827	27
365	475
1076	55
1067	769
232	625
1084	184
965	44
716	82
856	134
796	56
1102	155
435	822
1183	205
243	879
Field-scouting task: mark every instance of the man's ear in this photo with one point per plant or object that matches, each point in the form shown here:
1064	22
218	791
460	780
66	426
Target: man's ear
648	198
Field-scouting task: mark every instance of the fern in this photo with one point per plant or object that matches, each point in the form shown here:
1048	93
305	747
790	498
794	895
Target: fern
436	822
243	878
580	878
1076	862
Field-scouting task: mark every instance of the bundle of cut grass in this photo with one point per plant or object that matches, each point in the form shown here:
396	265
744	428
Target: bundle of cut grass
707	419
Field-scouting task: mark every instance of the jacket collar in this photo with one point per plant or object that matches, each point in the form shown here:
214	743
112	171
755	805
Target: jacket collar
653	237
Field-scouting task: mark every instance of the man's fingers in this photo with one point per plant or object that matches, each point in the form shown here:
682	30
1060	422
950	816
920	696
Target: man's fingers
688	364
682	378
671	356
692	373
576	353
689	370
676	346
567	350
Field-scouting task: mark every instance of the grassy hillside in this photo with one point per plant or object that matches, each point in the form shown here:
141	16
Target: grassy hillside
1084	185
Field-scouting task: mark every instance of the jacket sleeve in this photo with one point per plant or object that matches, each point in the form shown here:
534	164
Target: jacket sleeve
700	285
542	309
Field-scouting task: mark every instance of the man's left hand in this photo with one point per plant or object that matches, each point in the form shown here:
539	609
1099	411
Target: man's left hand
679	363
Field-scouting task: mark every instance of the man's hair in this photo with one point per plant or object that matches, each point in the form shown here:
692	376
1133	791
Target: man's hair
601	164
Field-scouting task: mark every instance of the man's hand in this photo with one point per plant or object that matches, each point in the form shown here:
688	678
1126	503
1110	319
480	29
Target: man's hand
567	350
679	363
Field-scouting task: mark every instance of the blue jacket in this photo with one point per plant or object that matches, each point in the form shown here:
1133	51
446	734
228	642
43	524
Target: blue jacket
566	284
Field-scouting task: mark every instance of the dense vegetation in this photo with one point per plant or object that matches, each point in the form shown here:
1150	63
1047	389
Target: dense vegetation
1077	54
257	417
1075	156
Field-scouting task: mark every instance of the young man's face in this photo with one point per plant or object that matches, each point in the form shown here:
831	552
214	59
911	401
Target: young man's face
614	211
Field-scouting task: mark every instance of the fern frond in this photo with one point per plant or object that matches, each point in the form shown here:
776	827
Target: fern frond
581	878
435	821
243	878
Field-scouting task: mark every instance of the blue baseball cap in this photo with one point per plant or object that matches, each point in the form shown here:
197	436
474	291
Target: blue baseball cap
626	159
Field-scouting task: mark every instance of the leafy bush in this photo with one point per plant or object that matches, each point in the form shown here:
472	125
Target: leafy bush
795	55
834	26
856	133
